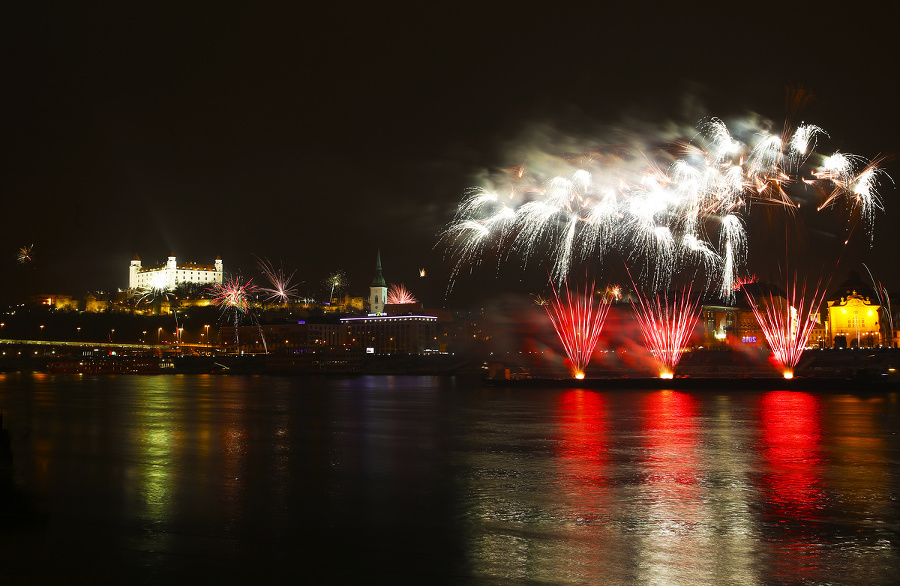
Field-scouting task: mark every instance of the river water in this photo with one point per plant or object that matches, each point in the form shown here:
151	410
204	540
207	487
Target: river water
442	480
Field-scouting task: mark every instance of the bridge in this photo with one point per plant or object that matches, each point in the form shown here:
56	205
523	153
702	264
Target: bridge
122	346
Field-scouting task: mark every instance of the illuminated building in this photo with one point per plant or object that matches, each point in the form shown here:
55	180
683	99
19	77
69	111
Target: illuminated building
725	322
853	321
854	316
54	300
718	321
171	274
387	329
400	334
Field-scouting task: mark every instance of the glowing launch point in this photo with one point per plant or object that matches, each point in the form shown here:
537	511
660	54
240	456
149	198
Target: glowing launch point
579	375
788	374
666	375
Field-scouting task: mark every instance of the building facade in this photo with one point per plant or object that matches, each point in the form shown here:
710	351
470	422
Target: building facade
171	274
853	321
391	335
854	316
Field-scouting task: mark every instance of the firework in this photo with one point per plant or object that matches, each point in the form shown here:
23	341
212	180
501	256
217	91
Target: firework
281	291
233	298
578	320
787	321
23	255
337	281
233	295
667	322
399	295
884	300
157	288
663	213
613	293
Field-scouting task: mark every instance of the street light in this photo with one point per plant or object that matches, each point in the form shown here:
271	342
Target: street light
157	335
207	336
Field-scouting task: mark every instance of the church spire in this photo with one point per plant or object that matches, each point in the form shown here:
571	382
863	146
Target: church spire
378	281
378	289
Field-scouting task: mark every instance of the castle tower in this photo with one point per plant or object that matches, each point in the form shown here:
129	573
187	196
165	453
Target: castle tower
219	269
171	271
378	289
133	270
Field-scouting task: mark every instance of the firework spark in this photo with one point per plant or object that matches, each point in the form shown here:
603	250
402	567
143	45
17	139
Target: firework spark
787	321
233	298
667	324
281	291
398	294
663	214
23	255
578	320
337	281
884	300
233	294
157	288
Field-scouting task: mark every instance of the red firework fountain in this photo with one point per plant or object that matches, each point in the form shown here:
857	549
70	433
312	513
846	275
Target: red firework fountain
578	321
787	322
399	295
667	324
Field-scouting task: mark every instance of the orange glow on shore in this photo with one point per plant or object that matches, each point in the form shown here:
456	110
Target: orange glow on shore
788	374
666	374
579	375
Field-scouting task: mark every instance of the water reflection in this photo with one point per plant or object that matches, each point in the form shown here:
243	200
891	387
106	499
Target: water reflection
384	478
672	495
792	483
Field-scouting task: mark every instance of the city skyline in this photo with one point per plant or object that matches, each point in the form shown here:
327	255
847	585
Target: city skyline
259	134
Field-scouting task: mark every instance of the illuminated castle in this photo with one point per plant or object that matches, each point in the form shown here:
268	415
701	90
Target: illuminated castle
172	274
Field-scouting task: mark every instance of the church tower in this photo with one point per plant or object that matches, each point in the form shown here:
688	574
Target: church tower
378	289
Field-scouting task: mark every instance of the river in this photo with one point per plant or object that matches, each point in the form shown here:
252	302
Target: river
443	480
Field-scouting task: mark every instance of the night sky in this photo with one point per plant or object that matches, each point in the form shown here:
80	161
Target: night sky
315	135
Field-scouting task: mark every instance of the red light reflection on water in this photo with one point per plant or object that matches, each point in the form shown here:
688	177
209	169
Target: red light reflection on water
791	442
672	444
792	485
676	512
582	447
